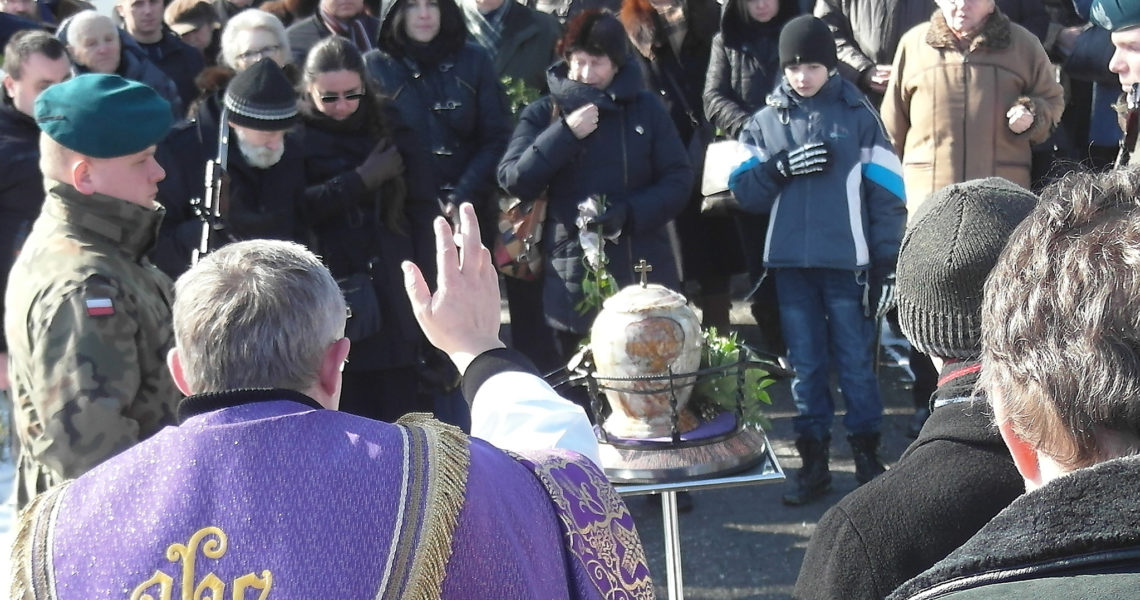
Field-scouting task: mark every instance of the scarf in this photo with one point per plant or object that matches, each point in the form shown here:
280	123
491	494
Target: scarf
487	29
353	29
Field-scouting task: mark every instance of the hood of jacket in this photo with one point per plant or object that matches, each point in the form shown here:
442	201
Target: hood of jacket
994	33
571	95
447	9
738	31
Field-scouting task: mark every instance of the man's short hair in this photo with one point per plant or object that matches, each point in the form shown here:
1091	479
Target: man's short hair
256	314
25	43
1060	324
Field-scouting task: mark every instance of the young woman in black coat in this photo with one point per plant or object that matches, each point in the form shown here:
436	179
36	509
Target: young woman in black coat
446	90
371	204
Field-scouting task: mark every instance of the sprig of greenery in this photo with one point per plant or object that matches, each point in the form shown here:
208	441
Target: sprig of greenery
717	392
519	94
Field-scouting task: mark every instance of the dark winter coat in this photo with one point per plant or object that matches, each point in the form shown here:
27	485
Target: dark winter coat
305	34
564	10
261	203
180	61
634	158
21	188
526	47
710	247
356	234
744	66
1076	537
950	482
850	216
457	107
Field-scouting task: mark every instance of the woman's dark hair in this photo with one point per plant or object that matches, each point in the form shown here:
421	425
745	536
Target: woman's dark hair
452	34
336	53
595	32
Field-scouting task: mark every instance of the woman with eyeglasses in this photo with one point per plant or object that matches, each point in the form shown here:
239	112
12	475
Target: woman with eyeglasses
446	89
371	202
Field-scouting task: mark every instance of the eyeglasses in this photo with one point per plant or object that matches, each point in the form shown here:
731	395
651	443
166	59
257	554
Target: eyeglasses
252	55
329	97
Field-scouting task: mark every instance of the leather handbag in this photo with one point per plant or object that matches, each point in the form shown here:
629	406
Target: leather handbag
518	250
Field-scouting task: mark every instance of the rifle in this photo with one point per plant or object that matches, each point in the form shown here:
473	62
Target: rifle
209	208
1131	126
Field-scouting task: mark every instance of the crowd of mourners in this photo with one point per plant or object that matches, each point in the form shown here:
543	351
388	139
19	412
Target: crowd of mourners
350	126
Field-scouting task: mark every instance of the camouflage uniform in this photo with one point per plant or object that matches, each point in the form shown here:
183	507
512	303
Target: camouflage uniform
88	325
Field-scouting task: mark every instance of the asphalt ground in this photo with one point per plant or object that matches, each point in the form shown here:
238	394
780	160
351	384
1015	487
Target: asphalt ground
743	542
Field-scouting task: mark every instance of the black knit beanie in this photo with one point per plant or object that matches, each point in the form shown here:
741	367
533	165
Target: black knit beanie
262	98
951	245
806	39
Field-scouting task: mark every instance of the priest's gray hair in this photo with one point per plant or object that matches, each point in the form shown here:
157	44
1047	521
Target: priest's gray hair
249	19
256	314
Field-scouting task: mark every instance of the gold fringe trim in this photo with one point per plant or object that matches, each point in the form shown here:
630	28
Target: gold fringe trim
448	460
30	563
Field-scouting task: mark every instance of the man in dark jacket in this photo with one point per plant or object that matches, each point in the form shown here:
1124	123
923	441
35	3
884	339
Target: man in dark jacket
1060	349
142	19
345	18
265	175
957	475
35	60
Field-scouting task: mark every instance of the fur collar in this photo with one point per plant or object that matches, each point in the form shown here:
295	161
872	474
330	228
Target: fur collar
994	35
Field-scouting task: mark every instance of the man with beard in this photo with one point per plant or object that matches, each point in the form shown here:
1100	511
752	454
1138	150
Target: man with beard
263	191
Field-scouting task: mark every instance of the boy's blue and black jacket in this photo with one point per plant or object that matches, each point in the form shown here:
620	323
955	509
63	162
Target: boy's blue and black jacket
850	216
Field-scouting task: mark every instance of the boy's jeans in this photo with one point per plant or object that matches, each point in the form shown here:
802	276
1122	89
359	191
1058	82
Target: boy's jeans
821	314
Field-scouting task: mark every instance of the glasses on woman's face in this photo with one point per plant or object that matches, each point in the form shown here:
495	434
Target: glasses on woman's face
330	98
256	55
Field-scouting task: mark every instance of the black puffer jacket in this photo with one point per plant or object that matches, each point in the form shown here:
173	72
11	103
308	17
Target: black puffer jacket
373	232
21	188
180	61
744	66
456	105
634	158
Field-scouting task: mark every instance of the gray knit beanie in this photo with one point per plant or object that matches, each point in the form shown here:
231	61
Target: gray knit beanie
949	248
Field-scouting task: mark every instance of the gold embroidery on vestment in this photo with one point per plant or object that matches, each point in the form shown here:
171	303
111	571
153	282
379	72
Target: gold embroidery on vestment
211	547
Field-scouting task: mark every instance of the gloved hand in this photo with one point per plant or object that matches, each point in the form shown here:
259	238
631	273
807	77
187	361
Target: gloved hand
611	221
807	159
382	164
880	291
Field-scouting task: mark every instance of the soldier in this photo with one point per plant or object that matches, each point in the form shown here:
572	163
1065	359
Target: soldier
88	320
1123	20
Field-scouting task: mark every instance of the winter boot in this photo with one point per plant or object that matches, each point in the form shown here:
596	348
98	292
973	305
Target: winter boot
814	478
865	450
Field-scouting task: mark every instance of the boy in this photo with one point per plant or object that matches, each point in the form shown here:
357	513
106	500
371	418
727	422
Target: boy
825	172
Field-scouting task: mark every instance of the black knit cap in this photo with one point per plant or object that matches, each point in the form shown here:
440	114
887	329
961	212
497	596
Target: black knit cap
806	39
595	32
951	245
262	98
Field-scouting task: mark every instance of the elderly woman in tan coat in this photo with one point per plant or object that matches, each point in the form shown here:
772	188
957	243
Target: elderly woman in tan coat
970	93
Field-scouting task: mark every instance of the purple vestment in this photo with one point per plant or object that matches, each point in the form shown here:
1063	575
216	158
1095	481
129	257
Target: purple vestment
272	499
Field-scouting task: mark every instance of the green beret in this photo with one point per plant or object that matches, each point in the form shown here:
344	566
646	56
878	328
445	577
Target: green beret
103	116
1115	15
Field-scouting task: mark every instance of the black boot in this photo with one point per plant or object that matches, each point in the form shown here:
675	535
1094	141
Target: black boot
814	478
865	450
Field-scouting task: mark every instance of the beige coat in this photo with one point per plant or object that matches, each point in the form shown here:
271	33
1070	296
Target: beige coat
945	108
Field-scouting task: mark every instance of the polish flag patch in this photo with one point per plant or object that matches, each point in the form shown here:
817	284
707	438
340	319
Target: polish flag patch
99	307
